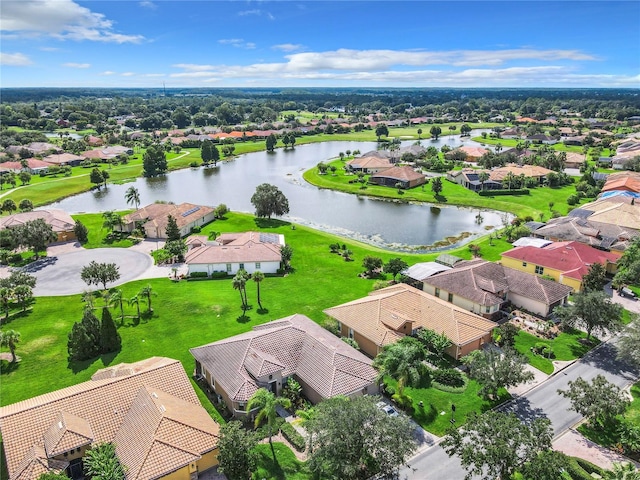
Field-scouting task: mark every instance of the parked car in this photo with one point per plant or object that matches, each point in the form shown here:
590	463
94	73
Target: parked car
388	409
627	292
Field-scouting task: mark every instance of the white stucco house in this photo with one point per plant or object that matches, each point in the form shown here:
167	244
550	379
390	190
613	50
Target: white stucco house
231	252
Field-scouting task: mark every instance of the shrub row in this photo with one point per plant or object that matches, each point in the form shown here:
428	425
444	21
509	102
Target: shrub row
448	376
492	193
198	275
580	469
293	437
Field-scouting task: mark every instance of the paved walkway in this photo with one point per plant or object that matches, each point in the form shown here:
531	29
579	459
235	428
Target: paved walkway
574	444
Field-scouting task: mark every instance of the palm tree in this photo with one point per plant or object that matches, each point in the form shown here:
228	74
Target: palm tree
240	283
10	339
6	294
146	292
116	298
132	195
483	177
135	301
258	277
266	403
400	361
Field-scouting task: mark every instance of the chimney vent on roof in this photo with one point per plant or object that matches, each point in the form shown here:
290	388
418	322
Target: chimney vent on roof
60	425
154	394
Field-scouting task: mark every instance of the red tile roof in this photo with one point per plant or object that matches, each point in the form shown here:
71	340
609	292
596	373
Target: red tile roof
406	174
573	259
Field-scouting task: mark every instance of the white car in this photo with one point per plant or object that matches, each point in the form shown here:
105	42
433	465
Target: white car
388	409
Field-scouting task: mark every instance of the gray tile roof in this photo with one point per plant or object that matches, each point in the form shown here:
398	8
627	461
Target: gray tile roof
484	283
295	345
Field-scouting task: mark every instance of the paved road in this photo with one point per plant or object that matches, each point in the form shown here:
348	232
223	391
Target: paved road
542	400
60	274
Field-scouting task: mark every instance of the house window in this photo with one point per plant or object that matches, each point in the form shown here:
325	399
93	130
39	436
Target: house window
242	266
351	333
539	270
257	265
524	264
488	309
438	292
228	268
450	298
242	406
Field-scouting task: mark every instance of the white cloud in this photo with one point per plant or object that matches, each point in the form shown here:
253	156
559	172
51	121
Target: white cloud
62	19
49	49
76	65
237	42
244	13
14	59
108	72
193	67
288	47
128	74
148	4
151	75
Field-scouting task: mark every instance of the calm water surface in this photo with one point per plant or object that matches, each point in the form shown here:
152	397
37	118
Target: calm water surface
386	224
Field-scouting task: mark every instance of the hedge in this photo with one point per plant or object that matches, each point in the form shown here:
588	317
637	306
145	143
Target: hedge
496	193
576	468
293	437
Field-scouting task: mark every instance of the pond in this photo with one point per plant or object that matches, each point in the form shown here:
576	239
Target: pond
387	224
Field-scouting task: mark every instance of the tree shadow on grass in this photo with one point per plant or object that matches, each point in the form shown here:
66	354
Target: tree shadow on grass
15	316
270	222
262	311
425	415
244	318
106	359
273	467
440	198
6	367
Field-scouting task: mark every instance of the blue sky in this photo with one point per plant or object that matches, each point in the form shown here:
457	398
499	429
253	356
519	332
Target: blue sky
121	43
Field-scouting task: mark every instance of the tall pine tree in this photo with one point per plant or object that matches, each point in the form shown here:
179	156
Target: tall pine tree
84	339
110	340
172	230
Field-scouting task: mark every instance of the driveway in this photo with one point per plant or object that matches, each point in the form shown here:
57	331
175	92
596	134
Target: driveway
59	274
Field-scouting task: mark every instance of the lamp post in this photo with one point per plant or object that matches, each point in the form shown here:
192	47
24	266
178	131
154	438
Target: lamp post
453	410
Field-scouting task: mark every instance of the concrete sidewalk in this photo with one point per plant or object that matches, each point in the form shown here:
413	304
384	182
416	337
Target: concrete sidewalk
574	444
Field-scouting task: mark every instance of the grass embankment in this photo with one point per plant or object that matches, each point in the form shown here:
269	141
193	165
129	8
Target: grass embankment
534	204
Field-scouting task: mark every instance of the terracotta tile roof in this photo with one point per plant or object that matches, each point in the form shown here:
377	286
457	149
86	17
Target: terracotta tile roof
399	173
101	409
473	152
62	158
573	259
370	162
238	248
499	174
371	316
32	163
484	282
35	463
295	345
157	214
627	183
59	220
67	432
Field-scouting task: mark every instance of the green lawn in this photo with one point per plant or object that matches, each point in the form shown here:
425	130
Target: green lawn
287	466
435	414
187	314
565	347
98	234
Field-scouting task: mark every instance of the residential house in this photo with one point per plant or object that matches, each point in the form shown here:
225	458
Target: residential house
484	287
529	171
388	314
574	160
470	179
59	220
565	262
369	164
473	153
148	409
416	274
578	227
231	252
406	176
623	181
64	159
154	218
292	347
542	138
34	166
